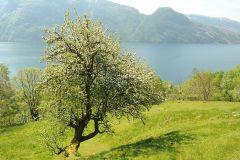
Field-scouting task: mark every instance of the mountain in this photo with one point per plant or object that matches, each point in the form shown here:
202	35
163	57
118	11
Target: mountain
168	26
216	22
24	20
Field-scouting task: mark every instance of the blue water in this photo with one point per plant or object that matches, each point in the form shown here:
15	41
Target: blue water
18	55
173	62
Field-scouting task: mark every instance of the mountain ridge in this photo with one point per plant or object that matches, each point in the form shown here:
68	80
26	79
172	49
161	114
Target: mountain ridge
24	20
220	22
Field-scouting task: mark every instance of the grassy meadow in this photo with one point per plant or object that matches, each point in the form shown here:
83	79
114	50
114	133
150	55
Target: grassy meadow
173	131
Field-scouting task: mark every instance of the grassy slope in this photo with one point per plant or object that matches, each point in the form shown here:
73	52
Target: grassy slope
183	131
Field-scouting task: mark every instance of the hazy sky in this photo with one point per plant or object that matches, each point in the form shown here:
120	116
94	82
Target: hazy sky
215	8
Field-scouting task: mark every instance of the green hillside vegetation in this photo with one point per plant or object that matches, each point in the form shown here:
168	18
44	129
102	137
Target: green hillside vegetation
209	86
173	130
163	26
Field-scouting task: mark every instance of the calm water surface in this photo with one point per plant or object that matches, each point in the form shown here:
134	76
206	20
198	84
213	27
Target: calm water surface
18	55
173	62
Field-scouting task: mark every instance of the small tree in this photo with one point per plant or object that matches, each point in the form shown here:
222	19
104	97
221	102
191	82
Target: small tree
7	110
200	85
27	85
90	81
230	84
6	90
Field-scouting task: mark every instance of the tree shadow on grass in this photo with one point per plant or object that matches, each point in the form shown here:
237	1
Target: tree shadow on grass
165	143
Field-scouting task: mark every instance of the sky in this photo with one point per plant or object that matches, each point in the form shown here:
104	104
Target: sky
215	8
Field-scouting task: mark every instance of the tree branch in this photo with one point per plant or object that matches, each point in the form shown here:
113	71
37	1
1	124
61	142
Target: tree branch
94	133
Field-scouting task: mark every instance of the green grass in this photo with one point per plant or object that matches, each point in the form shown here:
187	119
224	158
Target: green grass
181	131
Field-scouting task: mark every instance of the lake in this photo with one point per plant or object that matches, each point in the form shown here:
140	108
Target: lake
173	62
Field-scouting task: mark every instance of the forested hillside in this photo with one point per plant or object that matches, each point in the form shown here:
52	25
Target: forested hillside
216	22
24	20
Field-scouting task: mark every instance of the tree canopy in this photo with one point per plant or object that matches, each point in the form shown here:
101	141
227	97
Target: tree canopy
91	80
27	85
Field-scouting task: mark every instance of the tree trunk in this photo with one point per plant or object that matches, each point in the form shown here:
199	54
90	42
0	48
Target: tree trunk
71	150
34	114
